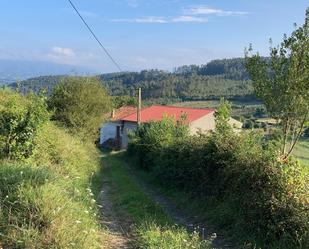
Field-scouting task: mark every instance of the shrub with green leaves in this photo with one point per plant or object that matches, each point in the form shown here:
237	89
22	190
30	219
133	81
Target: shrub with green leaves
79	104
154	136
267	199
20	119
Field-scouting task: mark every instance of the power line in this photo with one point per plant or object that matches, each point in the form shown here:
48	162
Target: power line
95	37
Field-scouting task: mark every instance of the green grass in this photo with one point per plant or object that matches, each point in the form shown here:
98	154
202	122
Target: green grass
207	211
46	201
301	151
238	107
153	227
222	215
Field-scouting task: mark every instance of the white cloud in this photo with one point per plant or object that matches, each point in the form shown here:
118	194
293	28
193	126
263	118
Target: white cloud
204	10
59	51
189	19
149	19
156	19
193	14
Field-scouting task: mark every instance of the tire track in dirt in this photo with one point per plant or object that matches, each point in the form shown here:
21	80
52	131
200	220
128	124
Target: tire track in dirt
181	217
119	232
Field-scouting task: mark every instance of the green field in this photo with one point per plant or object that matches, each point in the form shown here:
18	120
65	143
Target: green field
238	107
301	151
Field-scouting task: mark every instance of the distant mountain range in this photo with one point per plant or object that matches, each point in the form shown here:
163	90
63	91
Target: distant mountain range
14	70
219	78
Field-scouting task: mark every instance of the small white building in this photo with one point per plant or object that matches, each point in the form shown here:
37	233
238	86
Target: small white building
125	121
113	128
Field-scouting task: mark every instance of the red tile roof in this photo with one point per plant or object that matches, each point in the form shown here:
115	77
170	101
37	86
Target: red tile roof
123	112
157	112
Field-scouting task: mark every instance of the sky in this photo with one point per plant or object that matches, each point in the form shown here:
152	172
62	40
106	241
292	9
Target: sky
143	34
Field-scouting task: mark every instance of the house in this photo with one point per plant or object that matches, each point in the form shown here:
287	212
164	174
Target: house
198	120
112	129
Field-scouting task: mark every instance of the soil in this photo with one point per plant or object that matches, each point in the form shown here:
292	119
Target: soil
183	218
119	233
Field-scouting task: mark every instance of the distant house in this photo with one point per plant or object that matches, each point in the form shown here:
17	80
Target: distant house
125	121
112	129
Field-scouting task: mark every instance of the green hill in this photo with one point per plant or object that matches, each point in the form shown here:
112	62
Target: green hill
219	78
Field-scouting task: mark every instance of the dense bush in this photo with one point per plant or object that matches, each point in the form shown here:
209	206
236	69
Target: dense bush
46	201
45	177
79	104
156	135
20	119
267	198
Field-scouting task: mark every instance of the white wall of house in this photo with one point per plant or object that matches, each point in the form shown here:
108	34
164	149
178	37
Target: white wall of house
208	123
107	131
203	124
128	127
237	125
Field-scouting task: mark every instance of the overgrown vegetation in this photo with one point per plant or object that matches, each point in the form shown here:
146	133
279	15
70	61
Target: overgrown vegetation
45	179
266	198
20	119
153	228
46	201
79	104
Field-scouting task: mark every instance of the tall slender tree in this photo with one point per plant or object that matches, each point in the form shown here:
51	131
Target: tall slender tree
282	82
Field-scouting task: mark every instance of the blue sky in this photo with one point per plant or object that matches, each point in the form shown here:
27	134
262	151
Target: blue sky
143	34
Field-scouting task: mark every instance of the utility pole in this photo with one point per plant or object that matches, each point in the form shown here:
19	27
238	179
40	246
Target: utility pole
139	106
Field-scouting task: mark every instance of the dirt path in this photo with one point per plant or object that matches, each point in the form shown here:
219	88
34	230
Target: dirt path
191	222
119	234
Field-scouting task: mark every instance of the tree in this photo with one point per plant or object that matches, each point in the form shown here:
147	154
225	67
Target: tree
20	119
119	101
222	116
219	78
80	104
282	82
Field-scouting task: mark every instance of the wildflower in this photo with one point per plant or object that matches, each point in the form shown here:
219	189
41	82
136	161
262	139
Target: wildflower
100	206
92	200
86	211
78	221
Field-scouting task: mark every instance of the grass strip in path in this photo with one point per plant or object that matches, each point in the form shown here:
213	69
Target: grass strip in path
153	228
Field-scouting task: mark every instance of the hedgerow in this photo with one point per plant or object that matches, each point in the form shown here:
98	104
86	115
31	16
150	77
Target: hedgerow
265	197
